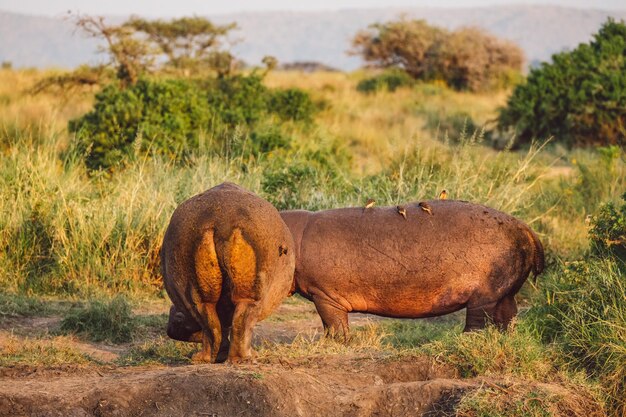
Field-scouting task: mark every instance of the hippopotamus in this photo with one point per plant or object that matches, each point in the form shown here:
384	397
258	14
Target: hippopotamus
227	262
418	260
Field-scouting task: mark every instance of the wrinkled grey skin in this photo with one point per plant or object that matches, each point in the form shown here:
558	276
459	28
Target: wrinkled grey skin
375	261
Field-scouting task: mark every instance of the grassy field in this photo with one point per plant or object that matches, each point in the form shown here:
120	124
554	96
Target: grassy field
67	236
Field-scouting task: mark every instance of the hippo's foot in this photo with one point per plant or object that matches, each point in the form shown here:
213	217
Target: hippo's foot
202	357
238	360
222	355
334	318
500	313
338	335
478	316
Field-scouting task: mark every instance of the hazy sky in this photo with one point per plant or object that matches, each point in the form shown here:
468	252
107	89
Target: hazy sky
207	7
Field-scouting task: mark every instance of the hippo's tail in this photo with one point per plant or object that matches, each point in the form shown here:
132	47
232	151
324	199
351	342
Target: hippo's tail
538	255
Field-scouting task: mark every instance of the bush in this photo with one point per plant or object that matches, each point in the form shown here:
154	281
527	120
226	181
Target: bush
584	312
580	97
292	104
169	117
262	141
302	179
112	321
583	308
238	100
608	233
456	126
471	59
387	81
466	59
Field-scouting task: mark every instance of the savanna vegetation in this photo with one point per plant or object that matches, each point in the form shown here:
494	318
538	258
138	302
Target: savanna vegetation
465	59
89	182
578	97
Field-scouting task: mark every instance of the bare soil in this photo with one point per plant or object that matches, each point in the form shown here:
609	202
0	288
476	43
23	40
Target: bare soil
335	385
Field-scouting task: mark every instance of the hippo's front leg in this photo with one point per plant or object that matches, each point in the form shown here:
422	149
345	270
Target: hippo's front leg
334	318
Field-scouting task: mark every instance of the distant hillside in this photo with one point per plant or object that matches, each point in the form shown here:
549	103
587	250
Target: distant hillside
316	36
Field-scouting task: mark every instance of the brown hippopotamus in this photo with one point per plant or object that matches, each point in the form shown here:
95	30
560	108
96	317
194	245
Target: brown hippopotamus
227	261
418	260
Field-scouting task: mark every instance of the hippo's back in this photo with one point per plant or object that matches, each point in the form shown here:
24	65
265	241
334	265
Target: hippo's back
375	260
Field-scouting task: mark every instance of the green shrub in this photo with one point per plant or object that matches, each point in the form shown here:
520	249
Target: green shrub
262	140
454	127
238	100
387	81
301	179
608	233
99	320
583	310
171	117
292	104
167	116
580	97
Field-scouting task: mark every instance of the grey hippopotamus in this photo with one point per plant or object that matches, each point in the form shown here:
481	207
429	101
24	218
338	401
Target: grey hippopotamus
227	262
417	260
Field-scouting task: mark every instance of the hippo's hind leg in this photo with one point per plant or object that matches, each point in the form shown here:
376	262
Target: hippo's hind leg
506	309
205	296
245	318
477	316
334	318
211	334
225	312
247	286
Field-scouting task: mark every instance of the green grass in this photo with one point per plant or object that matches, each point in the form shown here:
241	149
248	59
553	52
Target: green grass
525	400
97	321
413	333
491	352
159	351
43	352
582	310
21	305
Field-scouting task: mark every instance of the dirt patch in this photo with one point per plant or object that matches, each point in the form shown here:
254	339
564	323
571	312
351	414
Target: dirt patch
368	382
337	386
347	386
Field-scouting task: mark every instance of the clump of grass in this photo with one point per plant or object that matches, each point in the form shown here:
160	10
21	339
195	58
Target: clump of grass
583	311
412	333
516	352
20	305
112	321
364	340
46	352
527	400
159	351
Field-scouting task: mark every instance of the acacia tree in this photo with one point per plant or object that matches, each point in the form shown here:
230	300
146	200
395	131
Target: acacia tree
189	43
403	44
471	59
129	55
468	58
